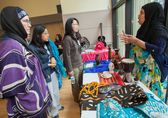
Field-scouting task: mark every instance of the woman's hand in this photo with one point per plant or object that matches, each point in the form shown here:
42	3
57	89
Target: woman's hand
52	62
127	39
71	73
51	65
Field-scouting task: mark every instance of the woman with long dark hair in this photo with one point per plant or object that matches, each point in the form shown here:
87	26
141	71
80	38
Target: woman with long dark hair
41	46
149	46
72	54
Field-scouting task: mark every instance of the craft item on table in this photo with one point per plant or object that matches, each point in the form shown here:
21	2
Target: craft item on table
89	96
107	78
153	106
99	46
110	108
91	88
97	59
116	59
107	88
103	66
129	95
109	52
87	102
111	67
128	66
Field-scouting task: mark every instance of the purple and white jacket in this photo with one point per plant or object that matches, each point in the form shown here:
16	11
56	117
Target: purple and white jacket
22	81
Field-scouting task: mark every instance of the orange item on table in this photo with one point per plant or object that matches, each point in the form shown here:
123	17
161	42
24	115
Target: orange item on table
115	78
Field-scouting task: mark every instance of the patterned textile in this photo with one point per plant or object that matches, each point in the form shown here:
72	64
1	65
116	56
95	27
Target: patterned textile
153	107
22	81
129	96
147	70
109	108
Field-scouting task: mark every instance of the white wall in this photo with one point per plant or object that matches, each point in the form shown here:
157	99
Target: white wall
90	13
78	6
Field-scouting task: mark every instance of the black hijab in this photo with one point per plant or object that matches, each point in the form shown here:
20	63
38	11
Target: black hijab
12	26
153	27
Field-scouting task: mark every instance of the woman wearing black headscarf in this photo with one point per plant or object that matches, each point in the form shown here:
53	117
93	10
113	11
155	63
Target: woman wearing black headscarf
148	47
21	79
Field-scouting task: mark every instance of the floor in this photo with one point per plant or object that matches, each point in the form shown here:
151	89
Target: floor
71	108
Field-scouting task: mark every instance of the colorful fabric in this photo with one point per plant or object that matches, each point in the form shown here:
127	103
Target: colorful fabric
129	96
99	46
153	106
103	66
134	113
90	55
22	81
60	65
110	108
89	96
147	70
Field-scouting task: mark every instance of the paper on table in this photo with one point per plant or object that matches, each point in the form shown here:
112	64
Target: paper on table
89	65
88	114
90	77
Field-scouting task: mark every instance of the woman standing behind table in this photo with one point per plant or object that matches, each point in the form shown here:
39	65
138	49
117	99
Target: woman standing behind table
148	48
72	54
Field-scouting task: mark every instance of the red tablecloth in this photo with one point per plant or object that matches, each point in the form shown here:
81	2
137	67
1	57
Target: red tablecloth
89	55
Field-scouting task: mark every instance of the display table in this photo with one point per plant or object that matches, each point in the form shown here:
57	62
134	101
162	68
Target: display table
90	54
93	77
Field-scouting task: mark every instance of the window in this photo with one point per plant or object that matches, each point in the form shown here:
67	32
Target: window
120	23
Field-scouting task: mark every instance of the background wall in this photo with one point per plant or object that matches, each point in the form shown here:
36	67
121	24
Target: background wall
33	7
37	8
78	6
55	28
90	13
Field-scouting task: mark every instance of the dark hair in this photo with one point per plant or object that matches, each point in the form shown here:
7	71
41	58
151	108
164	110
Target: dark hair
59	37
36	38
68	26
69	31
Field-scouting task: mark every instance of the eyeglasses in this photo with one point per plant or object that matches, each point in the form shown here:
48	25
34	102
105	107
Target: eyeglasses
45	33
26	21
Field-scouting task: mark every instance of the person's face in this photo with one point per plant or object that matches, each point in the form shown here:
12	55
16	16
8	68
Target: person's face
26	24
141	17
45	35
75	26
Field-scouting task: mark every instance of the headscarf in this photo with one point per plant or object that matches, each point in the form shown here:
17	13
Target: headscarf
153	26
11	24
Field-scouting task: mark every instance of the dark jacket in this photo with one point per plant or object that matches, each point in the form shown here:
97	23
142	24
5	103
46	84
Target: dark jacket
158	51
44	58
71	53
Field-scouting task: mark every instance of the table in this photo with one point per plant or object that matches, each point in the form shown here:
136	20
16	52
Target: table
90	77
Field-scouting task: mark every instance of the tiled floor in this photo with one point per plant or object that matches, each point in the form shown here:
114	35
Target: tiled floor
71	108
